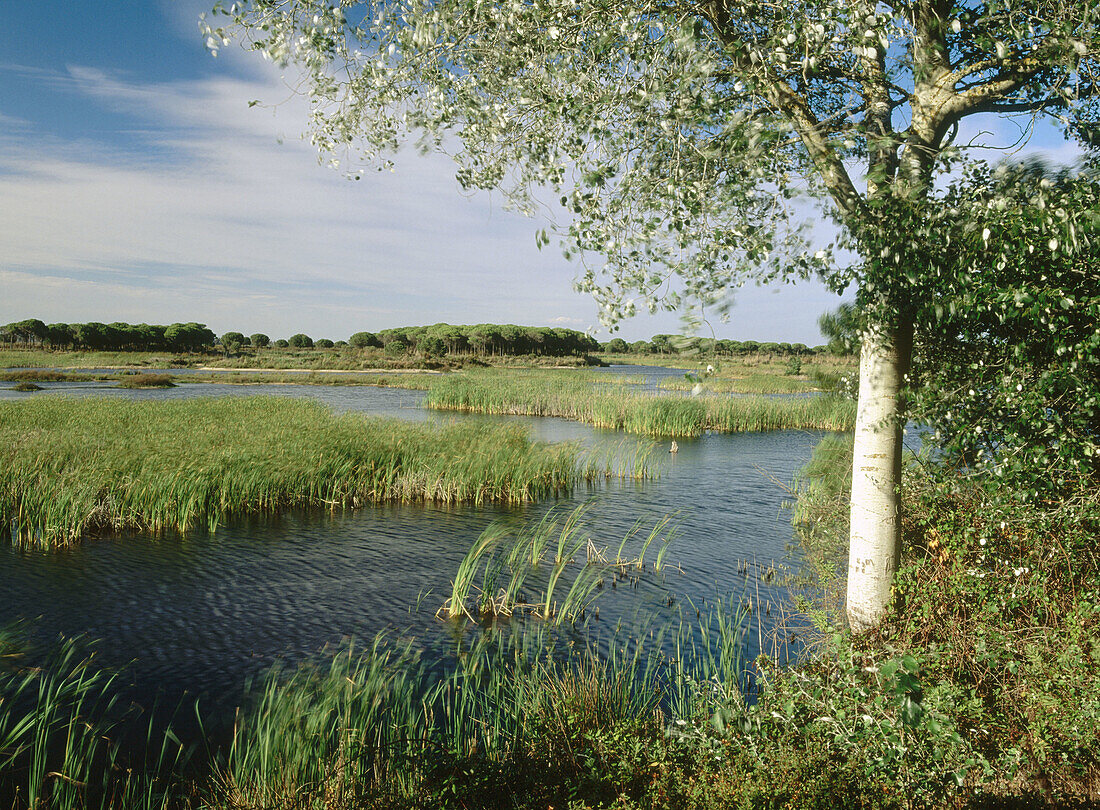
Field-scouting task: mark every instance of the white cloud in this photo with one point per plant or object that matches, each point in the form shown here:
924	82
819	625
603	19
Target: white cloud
210	210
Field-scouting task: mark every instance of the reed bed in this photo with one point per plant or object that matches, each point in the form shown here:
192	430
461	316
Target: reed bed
379	727
551	571
147	381
62	733
616	407
745	383
417	381
522	707
74	467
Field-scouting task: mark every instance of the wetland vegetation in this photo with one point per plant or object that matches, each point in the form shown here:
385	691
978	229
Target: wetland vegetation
617	407
71	467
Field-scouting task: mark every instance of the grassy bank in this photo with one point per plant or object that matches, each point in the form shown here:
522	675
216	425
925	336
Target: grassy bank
70	467
617	407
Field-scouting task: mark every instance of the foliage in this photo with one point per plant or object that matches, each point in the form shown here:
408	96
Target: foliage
300	341
1008	369
842	328
724	110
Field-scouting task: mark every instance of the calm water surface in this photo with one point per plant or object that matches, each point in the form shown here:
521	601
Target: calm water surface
205	612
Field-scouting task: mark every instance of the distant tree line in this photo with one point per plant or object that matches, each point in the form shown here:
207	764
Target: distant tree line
677	344
176	337
485	339
436	340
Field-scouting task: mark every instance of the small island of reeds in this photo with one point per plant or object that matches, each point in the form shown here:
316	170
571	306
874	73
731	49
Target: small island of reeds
147	381
71	467
617	407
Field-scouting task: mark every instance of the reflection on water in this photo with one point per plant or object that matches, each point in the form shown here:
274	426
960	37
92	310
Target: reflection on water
204	612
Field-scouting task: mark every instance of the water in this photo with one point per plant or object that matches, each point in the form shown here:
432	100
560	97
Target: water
205	612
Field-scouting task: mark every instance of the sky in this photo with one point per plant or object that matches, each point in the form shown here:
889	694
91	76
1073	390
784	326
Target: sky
137	185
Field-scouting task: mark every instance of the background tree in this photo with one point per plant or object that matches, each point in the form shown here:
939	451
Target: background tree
727	109
259	340
301	341
365	340
232	342
324	343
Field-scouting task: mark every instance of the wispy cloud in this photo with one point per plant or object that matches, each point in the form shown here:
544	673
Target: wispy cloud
215	205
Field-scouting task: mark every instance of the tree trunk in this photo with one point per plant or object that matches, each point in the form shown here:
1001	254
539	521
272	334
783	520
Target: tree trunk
875	541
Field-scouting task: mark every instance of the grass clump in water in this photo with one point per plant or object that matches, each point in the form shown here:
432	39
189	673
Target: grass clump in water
617	407
147	381
73	467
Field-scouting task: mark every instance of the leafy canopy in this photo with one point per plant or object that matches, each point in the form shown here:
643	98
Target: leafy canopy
1008	360
675	135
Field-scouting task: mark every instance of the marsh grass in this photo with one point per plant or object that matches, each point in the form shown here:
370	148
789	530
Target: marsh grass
418	381
44	375
519	710
147	381
558	559
74	467
31	358
63	737
617	407
514	713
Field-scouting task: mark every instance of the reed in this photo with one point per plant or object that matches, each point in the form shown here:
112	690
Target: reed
74	467
618	407
380	727
522	707
61	731
147	381
417	381
561	593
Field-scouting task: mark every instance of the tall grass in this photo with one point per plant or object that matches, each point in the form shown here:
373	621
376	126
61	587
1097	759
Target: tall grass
62	735
523	708
563	590
380	728
616	407
71	467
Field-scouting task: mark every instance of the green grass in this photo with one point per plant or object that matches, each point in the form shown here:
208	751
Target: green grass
147	381
74	467
617	407
61	728
41	358
420	381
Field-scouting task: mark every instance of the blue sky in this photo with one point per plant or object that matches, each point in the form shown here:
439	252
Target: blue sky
137	185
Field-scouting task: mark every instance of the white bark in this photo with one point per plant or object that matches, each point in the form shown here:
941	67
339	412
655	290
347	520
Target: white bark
875	540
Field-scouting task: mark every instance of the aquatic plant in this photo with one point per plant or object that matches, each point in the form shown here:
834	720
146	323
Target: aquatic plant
619	407
74	467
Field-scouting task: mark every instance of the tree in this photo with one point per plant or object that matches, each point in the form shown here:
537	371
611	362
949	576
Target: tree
676	134
259	340
324	343
364	340
1009	377
301	341
232	342
617	346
